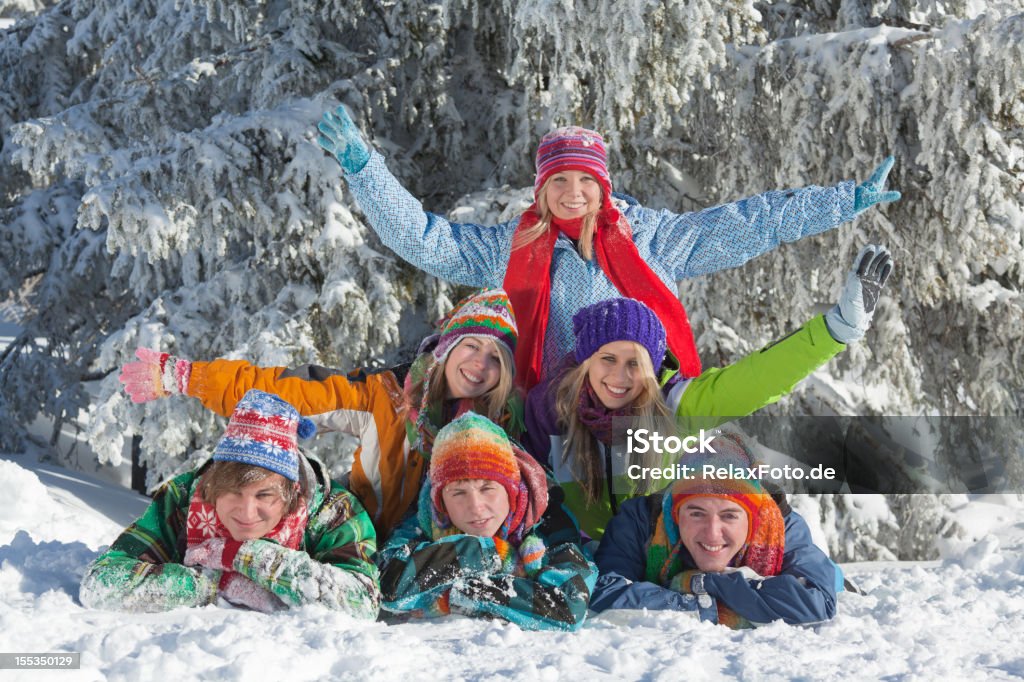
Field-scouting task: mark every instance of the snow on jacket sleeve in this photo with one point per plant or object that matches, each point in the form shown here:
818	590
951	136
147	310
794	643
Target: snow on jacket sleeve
335	569
385	474
698	243
621	558
475	255
142	569
462	573
761	378
555	598
417	574
803	592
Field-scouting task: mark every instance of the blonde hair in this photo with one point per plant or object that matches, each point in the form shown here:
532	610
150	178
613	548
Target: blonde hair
231	477
586	241
581	447
492	403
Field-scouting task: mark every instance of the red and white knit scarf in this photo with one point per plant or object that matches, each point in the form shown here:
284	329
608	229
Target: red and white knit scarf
203	523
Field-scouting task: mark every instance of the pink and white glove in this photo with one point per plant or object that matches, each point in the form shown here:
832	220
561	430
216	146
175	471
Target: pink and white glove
216	553
240	591
154	375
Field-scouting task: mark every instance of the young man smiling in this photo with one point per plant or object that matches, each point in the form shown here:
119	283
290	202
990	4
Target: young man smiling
720	548
713	530
261	527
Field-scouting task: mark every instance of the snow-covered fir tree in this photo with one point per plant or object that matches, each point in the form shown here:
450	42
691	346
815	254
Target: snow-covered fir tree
160	186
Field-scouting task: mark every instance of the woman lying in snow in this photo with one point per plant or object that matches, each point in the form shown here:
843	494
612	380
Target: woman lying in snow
617	371
577	244
481	544
261	527
395	413
722	549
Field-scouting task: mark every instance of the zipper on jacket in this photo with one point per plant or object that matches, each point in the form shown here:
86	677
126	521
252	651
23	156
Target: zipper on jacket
608	476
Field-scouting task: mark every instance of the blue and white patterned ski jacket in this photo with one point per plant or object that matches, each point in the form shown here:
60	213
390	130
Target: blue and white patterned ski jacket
675	246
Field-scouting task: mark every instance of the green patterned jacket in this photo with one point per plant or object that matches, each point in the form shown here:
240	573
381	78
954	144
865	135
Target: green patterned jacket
143	570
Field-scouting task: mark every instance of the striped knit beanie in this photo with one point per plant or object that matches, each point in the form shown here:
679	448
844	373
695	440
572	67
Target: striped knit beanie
487	313
263	432
474	447
572	148
746	492
618	319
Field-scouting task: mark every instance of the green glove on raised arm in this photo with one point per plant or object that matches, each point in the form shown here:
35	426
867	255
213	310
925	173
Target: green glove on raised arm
339	136
872	192
851	317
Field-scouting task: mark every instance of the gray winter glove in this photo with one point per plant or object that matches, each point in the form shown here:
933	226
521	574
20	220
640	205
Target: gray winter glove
339	136
240	591
214	553
872	192
851	317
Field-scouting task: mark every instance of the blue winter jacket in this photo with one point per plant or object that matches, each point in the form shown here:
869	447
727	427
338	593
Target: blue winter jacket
675	246
803	593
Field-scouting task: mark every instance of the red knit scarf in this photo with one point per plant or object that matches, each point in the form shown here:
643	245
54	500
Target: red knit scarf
528	284
203	524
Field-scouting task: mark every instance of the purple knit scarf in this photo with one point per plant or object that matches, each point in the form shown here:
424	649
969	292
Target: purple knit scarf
596	417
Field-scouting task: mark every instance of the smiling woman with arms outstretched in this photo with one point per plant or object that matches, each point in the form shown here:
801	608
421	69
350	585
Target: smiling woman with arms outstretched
579	244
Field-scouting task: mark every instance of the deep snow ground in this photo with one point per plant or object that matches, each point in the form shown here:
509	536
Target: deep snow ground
959	618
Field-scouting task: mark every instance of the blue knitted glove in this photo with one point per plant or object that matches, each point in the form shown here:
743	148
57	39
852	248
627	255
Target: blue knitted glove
339	136
851	317
869	193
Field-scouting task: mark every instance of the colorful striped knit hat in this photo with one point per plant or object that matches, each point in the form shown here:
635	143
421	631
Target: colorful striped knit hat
486	313
263	432
572	148
474	447
618	319
746	492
